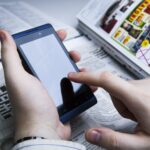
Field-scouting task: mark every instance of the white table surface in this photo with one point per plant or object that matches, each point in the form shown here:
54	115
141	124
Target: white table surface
63	10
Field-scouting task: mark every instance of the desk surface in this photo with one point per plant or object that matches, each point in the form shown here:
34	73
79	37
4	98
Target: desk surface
63	10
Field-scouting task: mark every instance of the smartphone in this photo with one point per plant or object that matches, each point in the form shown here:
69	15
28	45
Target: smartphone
44	56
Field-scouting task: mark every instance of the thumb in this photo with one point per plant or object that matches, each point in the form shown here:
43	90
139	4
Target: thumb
110	139
10	57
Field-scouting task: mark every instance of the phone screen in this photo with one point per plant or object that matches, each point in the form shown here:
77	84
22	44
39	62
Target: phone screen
50	63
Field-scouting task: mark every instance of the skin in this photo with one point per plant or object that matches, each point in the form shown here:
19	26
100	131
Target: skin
132	100
34	109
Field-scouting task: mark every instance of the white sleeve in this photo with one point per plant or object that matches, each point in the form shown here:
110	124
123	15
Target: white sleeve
43	144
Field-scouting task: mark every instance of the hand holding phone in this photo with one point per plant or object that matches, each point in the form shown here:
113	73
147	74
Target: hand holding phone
34	111
45	57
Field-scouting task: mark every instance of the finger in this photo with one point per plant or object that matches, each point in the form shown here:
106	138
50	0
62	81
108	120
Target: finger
84	70
67	92
122	109
93	88
142	84
62	34
105	80
116	86
121	89
64	131
10	57
75	56
110	139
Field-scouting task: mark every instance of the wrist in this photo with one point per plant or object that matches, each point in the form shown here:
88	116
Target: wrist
27	129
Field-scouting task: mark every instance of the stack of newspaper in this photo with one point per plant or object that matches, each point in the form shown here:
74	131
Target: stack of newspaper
123	28
19	16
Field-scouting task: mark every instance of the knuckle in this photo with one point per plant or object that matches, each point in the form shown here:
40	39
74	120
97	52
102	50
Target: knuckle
105	76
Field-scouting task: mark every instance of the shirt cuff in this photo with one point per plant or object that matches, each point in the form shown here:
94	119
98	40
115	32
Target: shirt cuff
44	144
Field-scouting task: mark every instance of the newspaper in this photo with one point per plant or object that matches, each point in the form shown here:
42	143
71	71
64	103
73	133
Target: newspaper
18	16
123	25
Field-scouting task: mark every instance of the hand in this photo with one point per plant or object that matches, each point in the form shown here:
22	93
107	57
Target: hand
34	111
132	100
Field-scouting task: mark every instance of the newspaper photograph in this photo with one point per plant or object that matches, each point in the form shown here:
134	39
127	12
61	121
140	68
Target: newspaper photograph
122	25
134	33
106	15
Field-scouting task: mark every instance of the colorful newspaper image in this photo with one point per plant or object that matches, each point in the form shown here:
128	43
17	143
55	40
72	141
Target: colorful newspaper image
134	32
105	15
114	14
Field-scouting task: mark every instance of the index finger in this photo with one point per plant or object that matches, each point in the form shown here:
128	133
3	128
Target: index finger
62	34
116	86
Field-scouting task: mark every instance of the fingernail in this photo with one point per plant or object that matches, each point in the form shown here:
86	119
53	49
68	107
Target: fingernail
95	136
72	74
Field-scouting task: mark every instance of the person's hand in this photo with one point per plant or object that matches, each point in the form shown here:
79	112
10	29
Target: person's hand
34	111
132	100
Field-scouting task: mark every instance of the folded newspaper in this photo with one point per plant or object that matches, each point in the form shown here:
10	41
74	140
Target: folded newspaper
19	16
123	28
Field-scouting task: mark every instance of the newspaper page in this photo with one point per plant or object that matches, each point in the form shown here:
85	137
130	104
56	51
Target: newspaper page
18	16
124	24
95	58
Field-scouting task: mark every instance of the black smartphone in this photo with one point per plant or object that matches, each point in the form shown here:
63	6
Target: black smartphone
44	56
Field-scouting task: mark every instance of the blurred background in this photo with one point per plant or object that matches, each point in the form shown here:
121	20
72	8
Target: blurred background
63	10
